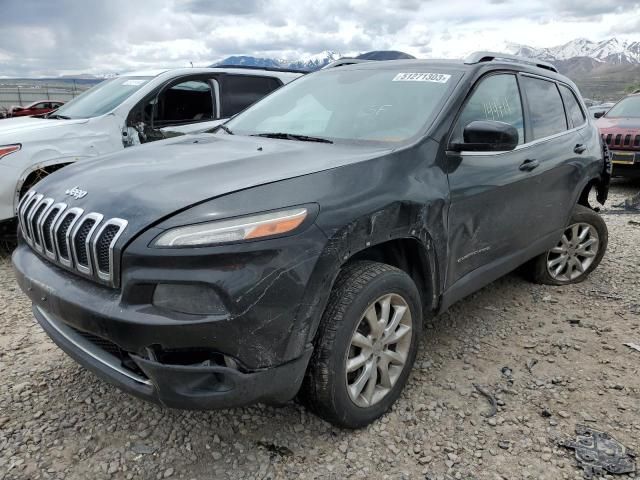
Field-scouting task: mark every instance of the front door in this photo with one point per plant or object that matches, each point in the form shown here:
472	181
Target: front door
495	207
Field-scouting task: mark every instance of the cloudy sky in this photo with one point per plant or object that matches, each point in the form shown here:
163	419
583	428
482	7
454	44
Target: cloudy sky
46	37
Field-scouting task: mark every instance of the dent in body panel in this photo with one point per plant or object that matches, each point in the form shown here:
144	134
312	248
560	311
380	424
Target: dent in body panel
387	205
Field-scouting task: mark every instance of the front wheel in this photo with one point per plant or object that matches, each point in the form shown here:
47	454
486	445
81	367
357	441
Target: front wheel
578	252
366	345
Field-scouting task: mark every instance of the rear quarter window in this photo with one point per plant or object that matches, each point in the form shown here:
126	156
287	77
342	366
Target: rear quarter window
575	115
545	107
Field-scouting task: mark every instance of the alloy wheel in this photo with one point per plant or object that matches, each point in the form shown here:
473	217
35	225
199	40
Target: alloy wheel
379	349
574	253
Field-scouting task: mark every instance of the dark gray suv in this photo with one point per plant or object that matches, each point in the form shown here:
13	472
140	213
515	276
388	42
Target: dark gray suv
297	248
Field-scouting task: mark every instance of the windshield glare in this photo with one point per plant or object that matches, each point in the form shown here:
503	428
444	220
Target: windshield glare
351	104
627	107
102	98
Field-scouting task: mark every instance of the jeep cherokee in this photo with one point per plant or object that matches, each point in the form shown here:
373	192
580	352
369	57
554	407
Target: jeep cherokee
296	249
620	130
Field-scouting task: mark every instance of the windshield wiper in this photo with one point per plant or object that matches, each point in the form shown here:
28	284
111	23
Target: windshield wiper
292	136
59	117
223	127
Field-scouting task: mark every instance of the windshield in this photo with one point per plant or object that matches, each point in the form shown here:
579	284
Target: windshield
352	104
102	98
627	107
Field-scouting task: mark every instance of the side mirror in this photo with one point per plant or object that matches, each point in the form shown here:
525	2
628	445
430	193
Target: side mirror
598	114
487	136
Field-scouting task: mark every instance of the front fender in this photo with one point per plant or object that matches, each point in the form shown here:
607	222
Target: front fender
397	221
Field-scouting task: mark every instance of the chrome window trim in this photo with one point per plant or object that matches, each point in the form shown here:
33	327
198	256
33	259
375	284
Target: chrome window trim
52	254
109	277
575	95
29	211
78	212
88	348
48	202
97	217
470	153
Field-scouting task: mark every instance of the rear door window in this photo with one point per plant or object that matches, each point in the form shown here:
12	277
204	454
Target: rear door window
575	115
497	98
240	91
545	107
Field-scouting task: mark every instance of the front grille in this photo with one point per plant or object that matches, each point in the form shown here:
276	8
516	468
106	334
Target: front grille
35	217
81	246
47	241
101	343
102	247
61	235
112	349
620	140
68	236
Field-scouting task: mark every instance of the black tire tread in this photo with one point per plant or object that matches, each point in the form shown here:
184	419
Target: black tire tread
537	268
351	280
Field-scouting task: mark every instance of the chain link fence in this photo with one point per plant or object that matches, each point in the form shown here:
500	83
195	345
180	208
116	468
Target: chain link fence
25	94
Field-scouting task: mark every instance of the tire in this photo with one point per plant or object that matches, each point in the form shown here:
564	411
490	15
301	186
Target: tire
359	286
542	269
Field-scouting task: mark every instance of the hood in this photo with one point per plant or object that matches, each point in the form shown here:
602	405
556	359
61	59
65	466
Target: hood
146	184
619	124
21	129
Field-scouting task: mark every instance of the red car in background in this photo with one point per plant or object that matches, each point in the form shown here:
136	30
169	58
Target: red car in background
620	130
36	108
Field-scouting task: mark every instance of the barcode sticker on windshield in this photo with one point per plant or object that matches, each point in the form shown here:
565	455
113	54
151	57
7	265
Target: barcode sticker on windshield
422	77
133	83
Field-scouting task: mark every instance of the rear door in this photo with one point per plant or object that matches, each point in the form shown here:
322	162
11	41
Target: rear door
554	129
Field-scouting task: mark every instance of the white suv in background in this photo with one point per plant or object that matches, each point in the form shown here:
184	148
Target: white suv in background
122	112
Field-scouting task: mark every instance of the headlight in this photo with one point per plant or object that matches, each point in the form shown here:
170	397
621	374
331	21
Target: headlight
233	230
9	149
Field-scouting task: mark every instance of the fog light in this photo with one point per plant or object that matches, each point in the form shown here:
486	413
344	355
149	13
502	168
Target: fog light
193	299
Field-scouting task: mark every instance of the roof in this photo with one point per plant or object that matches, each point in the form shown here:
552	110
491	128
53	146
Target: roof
500	61
198	70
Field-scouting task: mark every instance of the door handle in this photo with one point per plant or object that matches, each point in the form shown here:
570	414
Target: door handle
529	164
579	148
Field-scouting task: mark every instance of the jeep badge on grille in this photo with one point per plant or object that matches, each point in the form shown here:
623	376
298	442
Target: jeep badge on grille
76	192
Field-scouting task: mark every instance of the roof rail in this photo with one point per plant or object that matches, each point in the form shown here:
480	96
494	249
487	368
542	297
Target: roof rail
268	69
341	62
479	57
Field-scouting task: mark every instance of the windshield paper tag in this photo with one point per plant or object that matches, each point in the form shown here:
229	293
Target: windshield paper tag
133	83
422	77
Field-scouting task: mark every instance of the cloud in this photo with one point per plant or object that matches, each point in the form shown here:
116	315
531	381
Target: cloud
43	38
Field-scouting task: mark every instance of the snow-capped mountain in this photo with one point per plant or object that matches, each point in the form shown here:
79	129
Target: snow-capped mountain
311	63
612	51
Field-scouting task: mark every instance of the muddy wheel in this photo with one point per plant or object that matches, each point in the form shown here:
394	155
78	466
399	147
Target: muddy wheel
578	252
366	345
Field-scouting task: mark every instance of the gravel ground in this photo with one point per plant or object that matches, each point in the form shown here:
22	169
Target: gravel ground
58	421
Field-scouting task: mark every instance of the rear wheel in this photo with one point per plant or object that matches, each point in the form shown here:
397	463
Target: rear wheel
578	252
366	345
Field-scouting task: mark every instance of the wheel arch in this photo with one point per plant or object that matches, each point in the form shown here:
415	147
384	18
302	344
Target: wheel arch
410	248
35	173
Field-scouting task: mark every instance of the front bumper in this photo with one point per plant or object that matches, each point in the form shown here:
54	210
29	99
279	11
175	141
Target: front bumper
626	163
118	335
178	386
